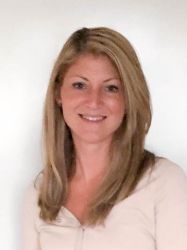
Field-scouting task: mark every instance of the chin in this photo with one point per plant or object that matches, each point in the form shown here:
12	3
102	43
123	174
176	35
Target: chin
92	138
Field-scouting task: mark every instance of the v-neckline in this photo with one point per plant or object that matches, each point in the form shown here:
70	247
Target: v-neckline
69	214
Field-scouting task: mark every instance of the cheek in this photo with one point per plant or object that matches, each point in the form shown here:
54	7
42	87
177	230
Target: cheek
117	106
67	99
67	115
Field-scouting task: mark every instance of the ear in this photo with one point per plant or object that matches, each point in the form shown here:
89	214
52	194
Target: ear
58	101
57	96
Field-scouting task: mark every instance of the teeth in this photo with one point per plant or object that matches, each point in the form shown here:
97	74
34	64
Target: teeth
93	118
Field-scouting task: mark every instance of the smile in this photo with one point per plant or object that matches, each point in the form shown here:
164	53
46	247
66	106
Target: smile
93	118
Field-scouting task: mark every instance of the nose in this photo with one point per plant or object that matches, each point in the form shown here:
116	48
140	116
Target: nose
94	98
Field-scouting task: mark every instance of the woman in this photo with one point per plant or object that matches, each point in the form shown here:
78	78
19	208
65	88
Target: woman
100	189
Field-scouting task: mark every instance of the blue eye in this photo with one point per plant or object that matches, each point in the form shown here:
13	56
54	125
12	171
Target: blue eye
79	85
112	88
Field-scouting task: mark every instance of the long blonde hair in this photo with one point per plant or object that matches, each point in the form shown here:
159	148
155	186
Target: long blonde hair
129	160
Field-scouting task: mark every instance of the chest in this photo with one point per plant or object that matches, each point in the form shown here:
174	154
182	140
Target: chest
79	196
130	225
129	228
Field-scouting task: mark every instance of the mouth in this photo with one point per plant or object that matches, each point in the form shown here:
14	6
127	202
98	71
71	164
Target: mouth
93	118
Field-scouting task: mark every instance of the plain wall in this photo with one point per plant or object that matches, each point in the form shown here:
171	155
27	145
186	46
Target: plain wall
31	35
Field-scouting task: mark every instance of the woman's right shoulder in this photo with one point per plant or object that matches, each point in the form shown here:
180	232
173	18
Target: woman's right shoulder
32	190
30	208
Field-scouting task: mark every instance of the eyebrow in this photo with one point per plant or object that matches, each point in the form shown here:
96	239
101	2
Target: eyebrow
112	78
86	79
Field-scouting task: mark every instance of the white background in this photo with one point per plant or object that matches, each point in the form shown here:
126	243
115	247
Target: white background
31	35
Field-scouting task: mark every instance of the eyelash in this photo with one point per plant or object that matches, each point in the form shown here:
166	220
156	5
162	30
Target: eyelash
112	88
79	85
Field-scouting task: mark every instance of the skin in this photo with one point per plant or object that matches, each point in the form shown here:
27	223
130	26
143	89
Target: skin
93	107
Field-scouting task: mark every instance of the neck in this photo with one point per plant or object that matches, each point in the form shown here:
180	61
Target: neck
91	160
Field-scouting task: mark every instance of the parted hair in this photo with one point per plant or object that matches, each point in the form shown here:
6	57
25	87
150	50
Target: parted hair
129	160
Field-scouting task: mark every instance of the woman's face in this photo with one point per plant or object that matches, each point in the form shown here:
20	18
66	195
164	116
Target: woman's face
92	99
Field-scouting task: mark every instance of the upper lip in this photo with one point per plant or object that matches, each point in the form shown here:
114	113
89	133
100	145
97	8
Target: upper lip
92	115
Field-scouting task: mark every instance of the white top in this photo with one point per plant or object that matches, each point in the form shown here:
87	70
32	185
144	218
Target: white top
154	217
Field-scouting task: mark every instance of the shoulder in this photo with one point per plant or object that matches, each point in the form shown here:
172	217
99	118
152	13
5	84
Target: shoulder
164	176
165	170
170	205
168	181
31	193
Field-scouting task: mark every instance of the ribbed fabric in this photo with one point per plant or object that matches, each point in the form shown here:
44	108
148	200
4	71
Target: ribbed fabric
154	217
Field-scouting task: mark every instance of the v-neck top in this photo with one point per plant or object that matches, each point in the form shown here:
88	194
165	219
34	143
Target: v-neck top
153	217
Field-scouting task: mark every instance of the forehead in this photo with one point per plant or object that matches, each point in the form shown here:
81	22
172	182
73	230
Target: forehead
93	64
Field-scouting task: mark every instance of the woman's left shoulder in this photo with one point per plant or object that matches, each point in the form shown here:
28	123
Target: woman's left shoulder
170	205
168	177
163	173
166	168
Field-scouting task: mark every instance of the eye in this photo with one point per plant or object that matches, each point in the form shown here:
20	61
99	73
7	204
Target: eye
112	88
79	85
